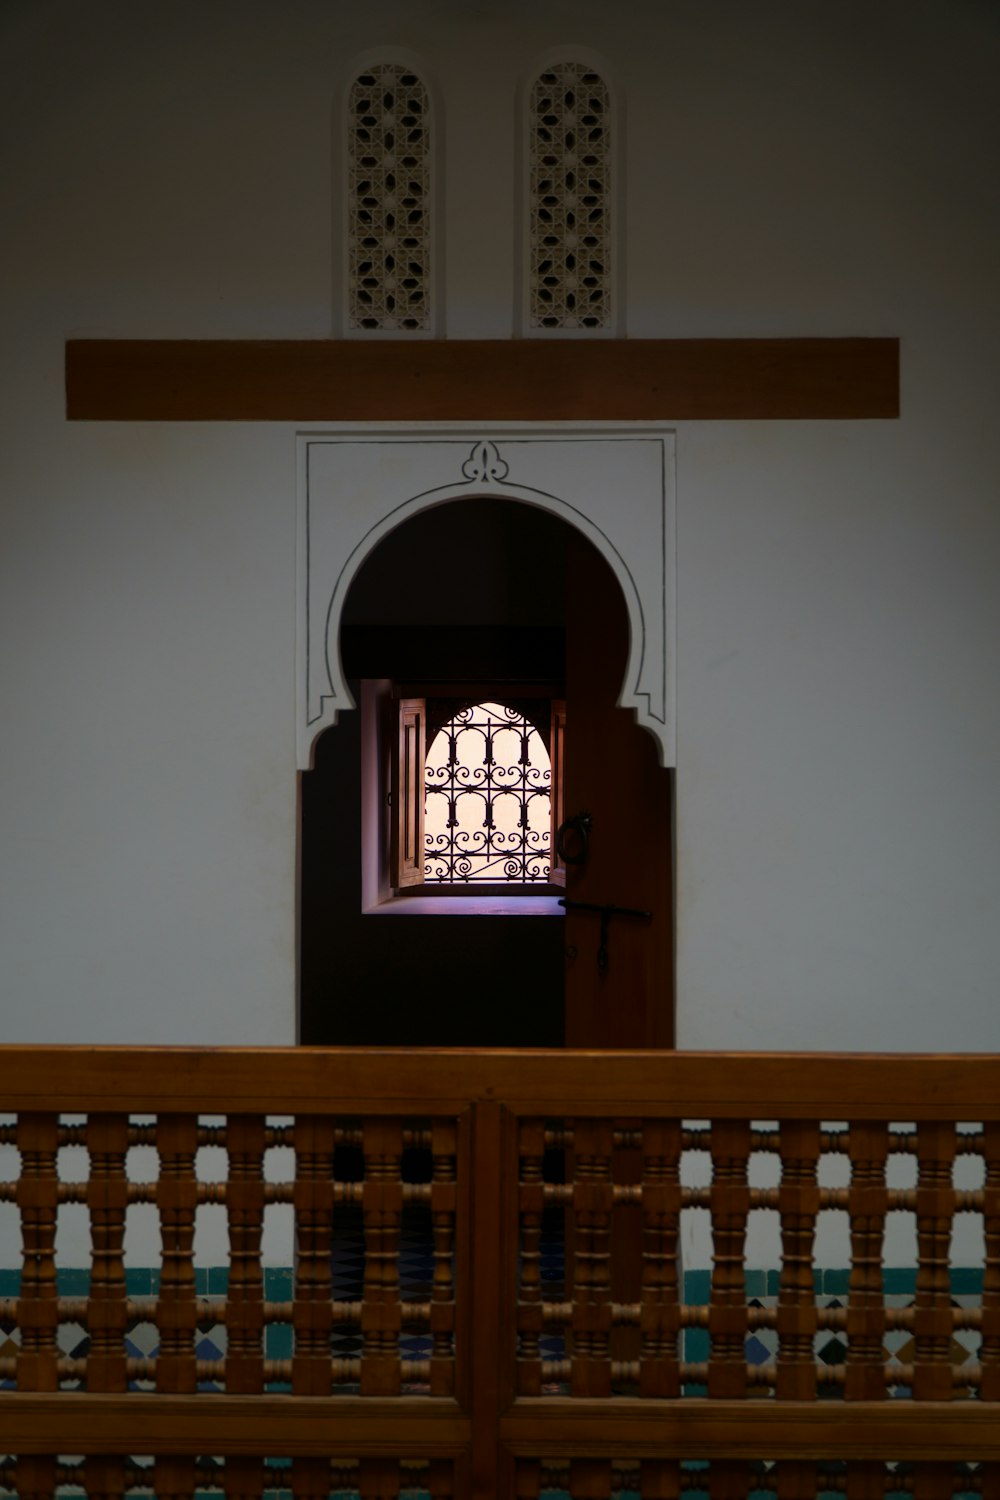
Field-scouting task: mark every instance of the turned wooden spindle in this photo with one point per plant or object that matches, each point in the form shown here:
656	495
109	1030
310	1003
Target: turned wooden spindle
244	1479
593	1198
989	1353
310	1478
107	1199
440	1479
659	1367
245	1137
177	1198
590	1478
531	1199
38	1197
796	1480
36	1477
106	1478
936	1143
729	1200
381	1311
378	1479
312	1308
174	1478
659	1479
935	1481
867	1206
865	1478
798	1205
730	1480
444	1146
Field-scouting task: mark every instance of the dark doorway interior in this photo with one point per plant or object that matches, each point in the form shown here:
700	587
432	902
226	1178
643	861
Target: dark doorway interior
472	591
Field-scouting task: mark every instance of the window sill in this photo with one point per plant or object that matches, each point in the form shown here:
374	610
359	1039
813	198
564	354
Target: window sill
485	905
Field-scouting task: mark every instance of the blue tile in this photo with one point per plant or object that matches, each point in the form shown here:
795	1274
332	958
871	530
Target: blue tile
137	1281
10	1283
218	1281
837	1283
966	1281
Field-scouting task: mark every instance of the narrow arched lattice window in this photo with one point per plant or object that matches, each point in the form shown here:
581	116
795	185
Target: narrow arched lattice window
569	200
389	185
488	799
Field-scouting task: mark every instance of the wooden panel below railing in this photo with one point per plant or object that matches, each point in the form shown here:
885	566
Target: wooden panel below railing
491	1342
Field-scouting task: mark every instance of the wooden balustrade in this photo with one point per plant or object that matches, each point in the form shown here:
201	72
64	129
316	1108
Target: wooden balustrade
515	1318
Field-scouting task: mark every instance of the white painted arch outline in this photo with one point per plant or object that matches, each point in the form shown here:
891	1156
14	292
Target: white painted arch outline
357	486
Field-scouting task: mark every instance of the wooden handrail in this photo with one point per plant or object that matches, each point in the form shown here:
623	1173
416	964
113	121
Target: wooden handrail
800	1085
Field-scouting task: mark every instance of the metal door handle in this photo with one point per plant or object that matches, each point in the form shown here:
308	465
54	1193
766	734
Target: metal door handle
580	825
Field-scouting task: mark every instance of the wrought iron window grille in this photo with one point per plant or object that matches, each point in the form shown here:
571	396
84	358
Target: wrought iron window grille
488	797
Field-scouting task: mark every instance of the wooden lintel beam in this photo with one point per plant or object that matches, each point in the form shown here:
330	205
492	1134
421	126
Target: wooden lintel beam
526	380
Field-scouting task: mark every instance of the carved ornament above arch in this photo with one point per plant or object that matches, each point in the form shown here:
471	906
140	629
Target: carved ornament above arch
615	485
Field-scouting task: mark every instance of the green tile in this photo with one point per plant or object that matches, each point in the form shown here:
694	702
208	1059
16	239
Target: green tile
218	1281
137	1281
10	1283
696	1345
73	1281
837	1283
697	1288
966	1280
278	1341
201	1281
755	1283
278	1283
899	1280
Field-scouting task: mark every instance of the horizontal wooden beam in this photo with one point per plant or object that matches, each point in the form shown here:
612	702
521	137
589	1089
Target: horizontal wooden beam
253	1426
407	1427
296	1080
526	380
554	1426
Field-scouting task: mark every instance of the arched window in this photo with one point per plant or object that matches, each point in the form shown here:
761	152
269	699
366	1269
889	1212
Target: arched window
569	168
487	799
477	792
389	210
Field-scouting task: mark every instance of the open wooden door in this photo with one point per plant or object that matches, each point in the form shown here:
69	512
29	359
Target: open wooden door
619	967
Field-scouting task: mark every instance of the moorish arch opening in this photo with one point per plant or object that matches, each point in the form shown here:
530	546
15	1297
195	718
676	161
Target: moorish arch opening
465	603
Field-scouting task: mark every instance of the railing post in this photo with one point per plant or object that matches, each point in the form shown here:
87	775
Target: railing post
489	1292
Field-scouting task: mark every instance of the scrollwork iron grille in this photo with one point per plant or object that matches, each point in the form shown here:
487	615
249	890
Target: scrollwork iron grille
487	785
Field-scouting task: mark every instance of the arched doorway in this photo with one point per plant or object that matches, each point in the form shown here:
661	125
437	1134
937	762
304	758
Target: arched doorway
492	595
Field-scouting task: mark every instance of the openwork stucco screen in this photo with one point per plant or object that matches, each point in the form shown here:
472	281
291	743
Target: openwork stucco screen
569	208
389	226
487	783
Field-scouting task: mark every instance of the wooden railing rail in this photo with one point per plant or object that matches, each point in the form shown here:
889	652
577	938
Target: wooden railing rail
513	1274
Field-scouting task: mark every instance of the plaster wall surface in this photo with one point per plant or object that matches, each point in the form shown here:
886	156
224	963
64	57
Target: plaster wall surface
790	170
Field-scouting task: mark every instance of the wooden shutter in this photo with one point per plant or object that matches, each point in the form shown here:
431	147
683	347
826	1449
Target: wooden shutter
557	737
407	859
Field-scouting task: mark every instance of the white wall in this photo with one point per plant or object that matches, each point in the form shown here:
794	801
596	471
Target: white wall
792	170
